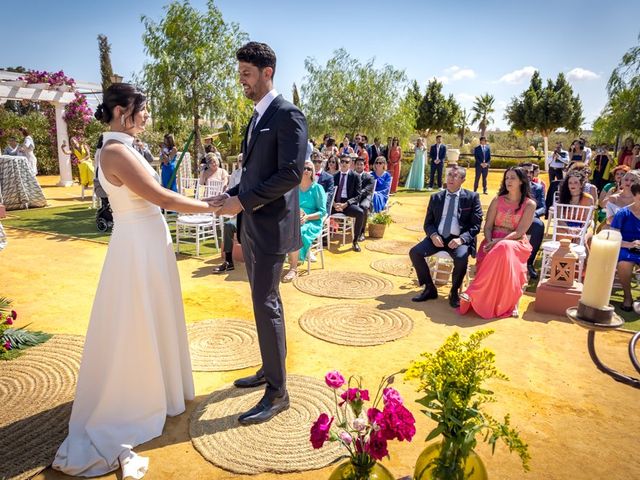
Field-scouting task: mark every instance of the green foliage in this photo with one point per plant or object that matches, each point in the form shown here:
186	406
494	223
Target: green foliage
192	67
21	338
452	380
38	126
436	113
351	96
381	218
296	95
106	70
482	110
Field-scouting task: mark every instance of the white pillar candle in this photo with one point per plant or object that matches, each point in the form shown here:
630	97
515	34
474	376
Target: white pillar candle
601	268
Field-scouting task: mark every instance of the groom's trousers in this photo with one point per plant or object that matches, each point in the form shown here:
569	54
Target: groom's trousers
264	272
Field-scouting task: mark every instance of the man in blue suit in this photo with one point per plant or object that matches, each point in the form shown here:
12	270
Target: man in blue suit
323	178
437	154
483	156
536	230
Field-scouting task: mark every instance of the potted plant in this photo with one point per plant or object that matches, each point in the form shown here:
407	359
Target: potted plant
452	380
364	432
378	223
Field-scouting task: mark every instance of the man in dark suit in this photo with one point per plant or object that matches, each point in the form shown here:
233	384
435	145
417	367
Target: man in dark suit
366	197
323	178
347	198
437	154
482	153
453	220
375	150
268	208
536	230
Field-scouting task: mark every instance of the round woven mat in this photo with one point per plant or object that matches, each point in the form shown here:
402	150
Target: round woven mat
343	285
399	218
223	344
398	266
355	325
36	391
394	247
279	445
414	228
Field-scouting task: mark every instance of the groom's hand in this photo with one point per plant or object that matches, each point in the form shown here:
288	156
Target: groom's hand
216	201
231	206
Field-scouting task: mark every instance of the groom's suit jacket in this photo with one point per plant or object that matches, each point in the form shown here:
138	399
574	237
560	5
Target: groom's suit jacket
469	216
272	168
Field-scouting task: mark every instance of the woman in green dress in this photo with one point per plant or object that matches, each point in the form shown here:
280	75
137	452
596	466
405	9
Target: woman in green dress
415	179
313	209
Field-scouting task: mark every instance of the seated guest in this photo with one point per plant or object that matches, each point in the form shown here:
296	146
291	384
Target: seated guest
453	220
329	148
627	222
323	178
609	189
383	184
588	187
368	184
230	225
501	268
333	165
623	197
572	193
536	230
345	147
347	198
313	208
211	170
12	148
537	179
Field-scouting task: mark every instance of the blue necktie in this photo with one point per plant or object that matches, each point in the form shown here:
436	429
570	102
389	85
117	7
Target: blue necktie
446	228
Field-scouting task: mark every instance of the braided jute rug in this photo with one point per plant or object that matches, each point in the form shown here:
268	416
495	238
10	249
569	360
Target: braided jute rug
394	247
36	391
398	266
280	445
414	228
343	285
355	324
223	344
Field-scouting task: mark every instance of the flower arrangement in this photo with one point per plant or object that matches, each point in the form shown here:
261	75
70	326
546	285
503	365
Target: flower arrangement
14	340
381	218
453	380
364	432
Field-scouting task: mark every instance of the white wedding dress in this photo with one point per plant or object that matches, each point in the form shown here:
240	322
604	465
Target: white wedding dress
135	367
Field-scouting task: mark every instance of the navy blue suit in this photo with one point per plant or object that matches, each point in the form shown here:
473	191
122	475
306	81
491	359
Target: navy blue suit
481	157
437	153
326	181
536	230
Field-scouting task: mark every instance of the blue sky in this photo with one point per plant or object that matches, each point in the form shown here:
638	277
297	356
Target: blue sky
474	47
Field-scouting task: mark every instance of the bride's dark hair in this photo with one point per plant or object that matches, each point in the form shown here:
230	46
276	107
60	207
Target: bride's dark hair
120	94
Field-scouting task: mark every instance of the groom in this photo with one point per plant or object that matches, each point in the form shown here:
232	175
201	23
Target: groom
267	204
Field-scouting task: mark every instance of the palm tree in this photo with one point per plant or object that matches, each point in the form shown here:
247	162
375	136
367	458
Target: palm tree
463	121
482	110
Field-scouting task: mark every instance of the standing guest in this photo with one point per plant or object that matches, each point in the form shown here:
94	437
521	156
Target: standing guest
453	220
345	147
393	163
375	150
366	197
626	153
387	148
13	148
313	209
577	153
536	230
437	154
501	267
211	170
363	153
168	158
27	148
143	149
230	227
357	139
635	161
82	153
324	179
347	198
415	179
558	160
587	150
383	184
482	154
329	148
333	165
627	222
602	167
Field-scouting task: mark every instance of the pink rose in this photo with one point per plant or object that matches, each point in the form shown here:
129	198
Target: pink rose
391	395
320	430
334	379
397	423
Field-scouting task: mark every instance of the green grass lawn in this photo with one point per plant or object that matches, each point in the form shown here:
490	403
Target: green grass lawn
79	221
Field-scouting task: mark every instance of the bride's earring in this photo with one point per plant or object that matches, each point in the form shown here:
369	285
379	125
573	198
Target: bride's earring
122	120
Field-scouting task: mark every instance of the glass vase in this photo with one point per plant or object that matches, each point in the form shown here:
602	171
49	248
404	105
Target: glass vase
370	470
471	468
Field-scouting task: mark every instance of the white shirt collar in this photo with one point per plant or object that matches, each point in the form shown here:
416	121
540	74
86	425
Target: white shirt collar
264	103
456	193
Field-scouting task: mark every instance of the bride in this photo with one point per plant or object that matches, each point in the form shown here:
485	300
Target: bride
135	367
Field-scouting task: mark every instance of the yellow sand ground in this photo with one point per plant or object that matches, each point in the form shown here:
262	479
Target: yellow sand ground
579	423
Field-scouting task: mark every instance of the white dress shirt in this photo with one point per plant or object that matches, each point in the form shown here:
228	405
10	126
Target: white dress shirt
264	103
343	193
455	225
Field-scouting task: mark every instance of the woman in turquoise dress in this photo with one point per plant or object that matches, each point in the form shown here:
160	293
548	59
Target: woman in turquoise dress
168	158
627	222
313	209
415	179
383	184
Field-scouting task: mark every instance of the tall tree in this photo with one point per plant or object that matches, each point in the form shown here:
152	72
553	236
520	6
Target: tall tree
547	109
296	95
191	70
482	110
351	96
463	121
106	70
437	113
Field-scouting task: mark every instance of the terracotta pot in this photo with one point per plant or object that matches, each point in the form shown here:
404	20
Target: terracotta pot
376	230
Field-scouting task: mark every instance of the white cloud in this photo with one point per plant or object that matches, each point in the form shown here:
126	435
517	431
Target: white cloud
501	105
582	74
518	76
463	73
451	69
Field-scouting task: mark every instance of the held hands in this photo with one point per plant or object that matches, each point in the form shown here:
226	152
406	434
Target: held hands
224	204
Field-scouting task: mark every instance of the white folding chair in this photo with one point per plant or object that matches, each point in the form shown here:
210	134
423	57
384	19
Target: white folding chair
572	222
316	246
441	267
556	196
340	224
188	186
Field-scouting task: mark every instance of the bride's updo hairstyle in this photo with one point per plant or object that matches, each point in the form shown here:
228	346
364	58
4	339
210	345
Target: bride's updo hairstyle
124	95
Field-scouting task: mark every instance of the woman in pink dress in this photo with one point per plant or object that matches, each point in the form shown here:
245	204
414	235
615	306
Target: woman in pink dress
501	265
395	156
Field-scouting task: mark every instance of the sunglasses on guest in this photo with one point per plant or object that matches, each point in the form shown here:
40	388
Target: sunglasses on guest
308	169
345	161
379	163
318	162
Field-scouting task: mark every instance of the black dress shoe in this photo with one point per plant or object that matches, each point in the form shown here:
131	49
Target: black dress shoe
265	410
429	293
454	299
356	247
223	267
532	272
250	381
